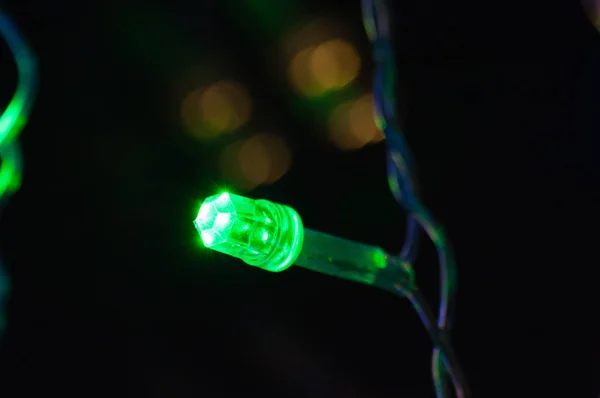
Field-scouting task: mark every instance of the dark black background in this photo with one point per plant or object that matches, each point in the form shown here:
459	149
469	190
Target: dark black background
112	297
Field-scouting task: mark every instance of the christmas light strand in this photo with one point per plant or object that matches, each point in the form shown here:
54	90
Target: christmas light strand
12	121
401	177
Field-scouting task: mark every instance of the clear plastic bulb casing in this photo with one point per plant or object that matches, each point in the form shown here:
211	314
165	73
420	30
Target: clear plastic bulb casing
260	233
271	236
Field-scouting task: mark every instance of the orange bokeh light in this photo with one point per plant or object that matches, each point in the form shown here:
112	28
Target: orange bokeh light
259	160
330	66
352	124
222	107
334	64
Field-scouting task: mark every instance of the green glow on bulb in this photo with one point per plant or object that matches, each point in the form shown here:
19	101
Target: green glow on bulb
261	233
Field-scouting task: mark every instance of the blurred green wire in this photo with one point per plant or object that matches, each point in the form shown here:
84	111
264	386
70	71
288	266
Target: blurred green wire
15	116
12	121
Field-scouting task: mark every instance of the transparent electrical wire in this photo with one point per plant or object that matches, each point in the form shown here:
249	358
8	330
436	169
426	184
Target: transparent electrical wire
12	121
402	181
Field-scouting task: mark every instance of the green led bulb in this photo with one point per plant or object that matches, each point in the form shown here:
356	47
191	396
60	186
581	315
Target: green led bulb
260	233
271	236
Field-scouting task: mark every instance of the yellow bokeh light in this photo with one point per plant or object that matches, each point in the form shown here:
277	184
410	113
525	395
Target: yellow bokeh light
254	160
222	107
334	64
280	156
261	159
300	74
230	166
225	106
191	117
352	124
329	66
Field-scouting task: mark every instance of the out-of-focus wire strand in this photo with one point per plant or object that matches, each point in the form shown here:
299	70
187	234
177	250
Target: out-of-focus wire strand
402	181
12	121
16	114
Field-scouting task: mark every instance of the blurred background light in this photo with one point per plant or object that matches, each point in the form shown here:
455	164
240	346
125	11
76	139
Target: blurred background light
299	74
280	155
222	107
329	66
254	160
352	126
259	160
592	8
225	106
335	64
309	34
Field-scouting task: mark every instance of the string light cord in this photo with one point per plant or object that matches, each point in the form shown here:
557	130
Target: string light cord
401	179
12	122
437	335
271	236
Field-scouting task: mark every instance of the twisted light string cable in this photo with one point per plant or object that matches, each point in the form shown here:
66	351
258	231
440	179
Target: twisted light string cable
12	121
401	178
437	336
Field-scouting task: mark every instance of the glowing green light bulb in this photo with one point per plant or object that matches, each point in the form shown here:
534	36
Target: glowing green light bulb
271	236
261	233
